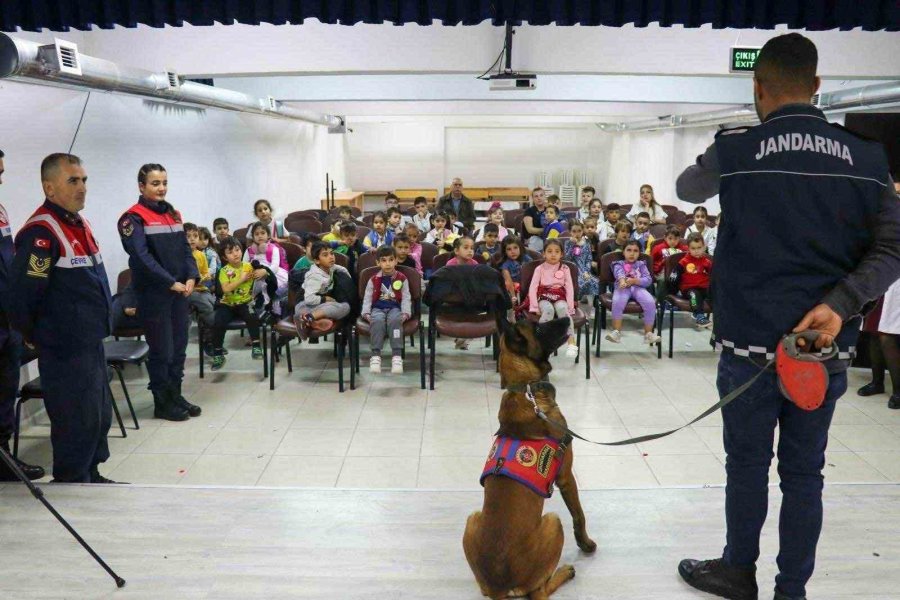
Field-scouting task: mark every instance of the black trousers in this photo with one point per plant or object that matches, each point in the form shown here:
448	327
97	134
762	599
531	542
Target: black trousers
225	314
698	296
10	359
165	318
76	396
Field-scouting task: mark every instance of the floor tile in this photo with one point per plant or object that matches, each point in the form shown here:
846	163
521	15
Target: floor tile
192	439
887	463
450	472
374	473
302	471
848	467
685	441
247	441
315	442
212	469
253	416
470	441
152	468
601	472
386	442
693	469
867	438
603	434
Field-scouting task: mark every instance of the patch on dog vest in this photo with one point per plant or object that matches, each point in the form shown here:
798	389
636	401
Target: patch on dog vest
533	463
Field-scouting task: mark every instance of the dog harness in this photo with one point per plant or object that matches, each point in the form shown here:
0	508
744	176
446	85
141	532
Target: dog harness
533	463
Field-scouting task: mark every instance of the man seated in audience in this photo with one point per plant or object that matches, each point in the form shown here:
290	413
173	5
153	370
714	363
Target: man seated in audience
607	229
459	204
422	218
642	232
401	248
533	220
661	252
488	247
221	230
387	304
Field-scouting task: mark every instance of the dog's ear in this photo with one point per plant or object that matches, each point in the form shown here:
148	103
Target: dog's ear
506	329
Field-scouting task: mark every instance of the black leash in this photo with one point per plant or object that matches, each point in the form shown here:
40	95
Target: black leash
529	395
39	494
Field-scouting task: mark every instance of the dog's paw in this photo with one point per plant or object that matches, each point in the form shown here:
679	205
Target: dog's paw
568	571
587	545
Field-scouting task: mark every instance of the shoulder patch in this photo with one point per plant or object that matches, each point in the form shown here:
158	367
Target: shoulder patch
126	227
733	130
42	243
37	266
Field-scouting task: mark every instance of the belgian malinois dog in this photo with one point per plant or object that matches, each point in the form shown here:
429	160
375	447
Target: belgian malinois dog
511	548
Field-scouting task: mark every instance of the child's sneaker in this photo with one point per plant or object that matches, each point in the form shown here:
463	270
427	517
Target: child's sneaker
615	336
217	362
208	350
397	365
461	344
304	324
651	338
702	321
375	364
572	351
256	353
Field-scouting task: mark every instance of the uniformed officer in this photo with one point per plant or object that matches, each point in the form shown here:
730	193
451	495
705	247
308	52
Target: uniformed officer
163	273
10	351
61	305
810	234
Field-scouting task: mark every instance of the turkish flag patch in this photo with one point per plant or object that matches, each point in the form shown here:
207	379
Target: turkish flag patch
41	243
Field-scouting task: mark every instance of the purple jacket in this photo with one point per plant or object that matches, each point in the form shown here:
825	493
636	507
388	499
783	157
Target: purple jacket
623	269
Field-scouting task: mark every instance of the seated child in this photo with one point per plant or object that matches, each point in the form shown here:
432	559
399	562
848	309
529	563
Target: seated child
270	269
380	235
553	200
304	261
551	294
236	282
702	227
395	220
265	214
590	231
349	245
489	245
587	196
623	231
463	251
642	232
441	235
632	280
495	216
212	255
509	261
691	277
595	210
124	310
319	309
422	218
661	251
415	248
552	225
401	249
607	229
345	213
387	304
453	224
221	231
334	234
201	299
578	251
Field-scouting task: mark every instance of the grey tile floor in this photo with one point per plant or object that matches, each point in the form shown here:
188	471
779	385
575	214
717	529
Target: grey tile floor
388	433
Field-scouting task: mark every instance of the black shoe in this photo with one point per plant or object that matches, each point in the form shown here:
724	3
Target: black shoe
164	407
894	401
871	389
192	409
780	596
32	472
209	350
715	577
96	477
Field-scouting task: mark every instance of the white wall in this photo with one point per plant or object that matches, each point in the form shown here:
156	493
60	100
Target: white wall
218	162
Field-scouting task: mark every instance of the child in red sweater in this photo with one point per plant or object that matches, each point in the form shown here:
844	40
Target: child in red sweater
692	275
660	252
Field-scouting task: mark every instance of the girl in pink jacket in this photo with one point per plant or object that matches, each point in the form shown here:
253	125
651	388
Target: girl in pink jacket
551	293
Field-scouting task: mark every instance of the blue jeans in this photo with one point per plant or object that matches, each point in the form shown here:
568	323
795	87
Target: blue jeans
750	422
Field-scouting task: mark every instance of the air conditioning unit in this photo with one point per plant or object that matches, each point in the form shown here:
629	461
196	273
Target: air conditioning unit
62	56
503	82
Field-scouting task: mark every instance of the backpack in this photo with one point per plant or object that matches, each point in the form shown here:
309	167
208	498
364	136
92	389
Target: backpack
469	288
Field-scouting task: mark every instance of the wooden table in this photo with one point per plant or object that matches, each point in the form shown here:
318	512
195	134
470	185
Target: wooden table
345	198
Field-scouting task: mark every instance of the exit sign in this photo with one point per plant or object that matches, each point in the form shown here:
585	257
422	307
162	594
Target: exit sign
743	60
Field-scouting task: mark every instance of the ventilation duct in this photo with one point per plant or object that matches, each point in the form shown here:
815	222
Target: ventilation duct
61	64
869	96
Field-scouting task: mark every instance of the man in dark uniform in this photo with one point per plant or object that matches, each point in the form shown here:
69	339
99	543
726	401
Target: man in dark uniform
61	306
462	207
10	351
810	235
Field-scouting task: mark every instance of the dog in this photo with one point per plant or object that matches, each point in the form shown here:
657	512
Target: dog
510	547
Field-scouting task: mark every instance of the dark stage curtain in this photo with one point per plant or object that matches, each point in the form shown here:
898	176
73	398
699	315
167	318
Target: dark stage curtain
61	15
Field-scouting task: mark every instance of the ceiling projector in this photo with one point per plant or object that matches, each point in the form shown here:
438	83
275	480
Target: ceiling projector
513	81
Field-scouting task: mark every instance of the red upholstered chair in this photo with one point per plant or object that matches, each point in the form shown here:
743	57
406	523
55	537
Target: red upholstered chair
353	210
429	252
604	300
303	224
510	216
292	253
309	212
366	261
579	320
676	302
534	254
658	231
412	326
362	231
241	236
